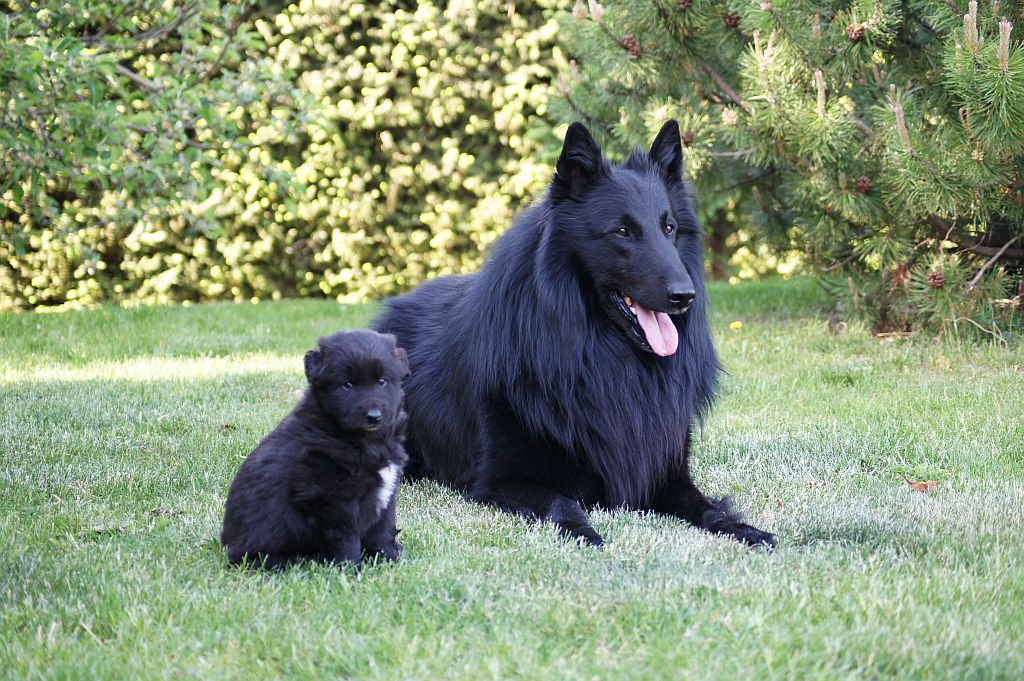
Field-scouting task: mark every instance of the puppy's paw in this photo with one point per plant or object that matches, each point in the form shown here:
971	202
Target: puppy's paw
387	553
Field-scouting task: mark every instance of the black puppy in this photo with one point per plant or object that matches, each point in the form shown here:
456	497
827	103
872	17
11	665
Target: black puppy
323	484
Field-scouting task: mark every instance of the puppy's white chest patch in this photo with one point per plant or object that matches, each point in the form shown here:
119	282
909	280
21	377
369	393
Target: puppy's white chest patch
389	479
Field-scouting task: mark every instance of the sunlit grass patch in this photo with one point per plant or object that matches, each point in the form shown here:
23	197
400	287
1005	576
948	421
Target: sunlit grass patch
120	431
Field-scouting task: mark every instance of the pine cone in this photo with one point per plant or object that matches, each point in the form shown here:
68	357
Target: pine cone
863	184
855	32
731	20
936	279
684	5
688	138
631	45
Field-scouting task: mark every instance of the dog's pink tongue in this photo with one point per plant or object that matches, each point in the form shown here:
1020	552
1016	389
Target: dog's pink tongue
661	333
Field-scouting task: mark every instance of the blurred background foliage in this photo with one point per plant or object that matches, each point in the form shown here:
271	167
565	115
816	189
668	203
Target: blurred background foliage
881	139
158	151
173	151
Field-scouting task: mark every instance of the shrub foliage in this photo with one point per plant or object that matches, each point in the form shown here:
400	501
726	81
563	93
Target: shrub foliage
160	152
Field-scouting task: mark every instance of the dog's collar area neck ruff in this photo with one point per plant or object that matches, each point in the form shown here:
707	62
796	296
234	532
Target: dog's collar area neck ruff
651	330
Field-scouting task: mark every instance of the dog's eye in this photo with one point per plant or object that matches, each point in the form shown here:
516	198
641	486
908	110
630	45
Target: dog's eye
347	385
622	231
669	228
383	380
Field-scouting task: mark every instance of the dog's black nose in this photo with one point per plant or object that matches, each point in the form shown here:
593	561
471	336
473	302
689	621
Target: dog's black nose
374	416
680	297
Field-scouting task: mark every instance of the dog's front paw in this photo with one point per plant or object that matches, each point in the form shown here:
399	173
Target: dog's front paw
584	535
725	521
571	521
747	534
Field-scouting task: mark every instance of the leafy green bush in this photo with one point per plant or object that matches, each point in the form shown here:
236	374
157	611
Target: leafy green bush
332	147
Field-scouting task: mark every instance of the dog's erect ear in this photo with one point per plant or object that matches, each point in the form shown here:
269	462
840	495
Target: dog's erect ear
667	152
581	164
314	362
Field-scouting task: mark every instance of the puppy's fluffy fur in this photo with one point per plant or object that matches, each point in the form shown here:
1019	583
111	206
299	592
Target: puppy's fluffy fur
323	484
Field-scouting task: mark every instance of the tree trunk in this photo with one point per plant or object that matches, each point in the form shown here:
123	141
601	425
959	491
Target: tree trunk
718	229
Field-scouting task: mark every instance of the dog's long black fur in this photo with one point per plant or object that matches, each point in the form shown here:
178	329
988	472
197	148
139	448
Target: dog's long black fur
534	386
323	484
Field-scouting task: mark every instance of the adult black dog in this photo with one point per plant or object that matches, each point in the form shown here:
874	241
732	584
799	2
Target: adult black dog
323	484
571	369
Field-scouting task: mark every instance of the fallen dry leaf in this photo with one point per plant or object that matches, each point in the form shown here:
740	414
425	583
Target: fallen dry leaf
160	511
923	486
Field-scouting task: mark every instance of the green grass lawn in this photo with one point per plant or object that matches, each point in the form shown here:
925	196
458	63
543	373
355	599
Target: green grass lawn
120	431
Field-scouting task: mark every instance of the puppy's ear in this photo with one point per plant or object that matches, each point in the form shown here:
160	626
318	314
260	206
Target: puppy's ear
400	354
403	360
314	362
667	152
581	164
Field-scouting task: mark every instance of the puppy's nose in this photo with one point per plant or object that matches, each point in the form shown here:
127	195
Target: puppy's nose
374	416
680	297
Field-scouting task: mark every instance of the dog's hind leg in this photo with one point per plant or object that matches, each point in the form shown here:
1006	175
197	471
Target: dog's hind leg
541	503
678	496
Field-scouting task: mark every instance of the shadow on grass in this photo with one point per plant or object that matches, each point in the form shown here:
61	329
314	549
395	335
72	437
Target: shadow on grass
881	533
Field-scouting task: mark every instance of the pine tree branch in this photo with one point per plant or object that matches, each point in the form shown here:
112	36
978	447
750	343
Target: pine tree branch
729	154
745	181
725	87
925	25
591	120
947	232
838	265
1013	253
620	90
864	127
999	254
795	43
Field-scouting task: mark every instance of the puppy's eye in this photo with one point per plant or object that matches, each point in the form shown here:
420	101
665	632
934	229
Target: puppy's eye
622	231
347	385
383	380
670	228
